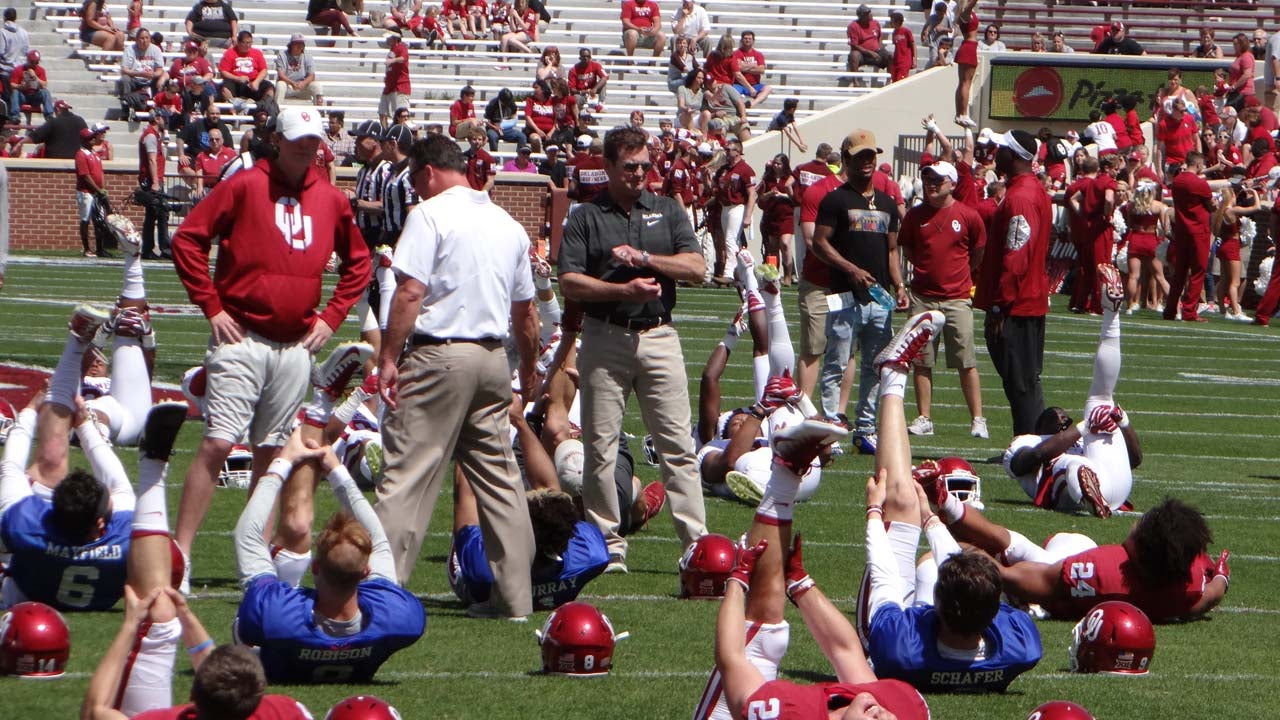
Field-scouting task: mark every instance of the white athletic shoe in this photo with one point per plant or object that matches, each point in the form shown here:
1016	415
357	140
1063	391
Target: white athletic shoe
743	487
85	321
978	428
795	446
911	340
333	375
922	425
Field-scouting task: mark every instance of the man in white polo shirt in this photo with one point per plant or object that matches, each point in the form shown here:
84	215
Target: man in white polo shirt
462	273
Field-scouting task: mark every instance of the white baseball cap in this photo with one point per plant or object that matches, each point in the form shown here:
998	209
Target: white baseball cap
296	123
584	141
942	168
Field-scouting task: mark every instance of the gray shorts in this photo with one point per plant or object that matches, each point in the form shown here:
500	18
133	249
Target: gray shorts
256	385
957	331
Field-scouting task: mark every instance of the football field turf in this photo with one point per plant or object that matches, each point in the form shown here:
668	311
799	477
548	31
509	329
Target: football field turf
1204	399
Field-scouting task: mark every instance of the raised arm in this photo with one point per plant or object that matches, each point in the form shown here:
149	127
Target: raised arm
381	563
14	485
107	467
253	556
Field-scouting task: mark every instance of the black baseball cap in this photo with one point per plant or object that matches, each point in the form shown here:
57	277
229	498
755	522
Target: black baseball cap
368	128
400	135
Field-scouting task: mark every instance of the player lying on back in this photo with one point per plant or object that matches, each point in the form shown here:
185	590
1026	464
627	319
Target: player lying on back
1162	567
940	627
355	618
1068	466
751	634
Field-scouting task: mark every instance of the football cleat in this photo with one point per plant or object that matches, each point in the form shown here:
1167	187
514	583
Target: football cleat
8	418
655	498
743	487
780	390
541	268
650	451
373	459
577	639
1110	287
362	707
865	443
127	236
384	256
796	446
85	321
705	567
131	322
769	276
34	641
333	375
746	265
910	341
1115	638
160	430
1060	710
237	469
1091	492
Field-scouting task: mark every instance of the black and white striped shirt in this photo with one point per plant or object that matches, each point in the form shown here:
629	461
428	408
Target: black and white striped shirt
369	182
398	198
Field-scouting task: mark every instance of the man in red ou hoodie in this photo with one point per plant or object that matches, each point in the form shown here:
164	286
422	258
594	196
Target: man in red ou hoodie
278	223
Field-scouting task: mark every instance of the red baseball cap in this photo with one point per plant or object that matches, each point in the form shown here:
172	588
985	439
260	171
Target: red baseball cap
33	56
1252	101
926	159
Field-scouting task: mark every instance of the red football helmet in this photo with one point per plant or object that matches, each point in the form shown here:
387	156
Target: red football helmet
577	639
362	707
1114	638
960	480
177	564
1060	710
706	566
34	641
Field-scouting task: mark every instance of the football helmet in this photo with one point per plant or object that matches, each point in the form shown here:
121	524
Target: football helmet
1114	638
705	567
34	641
362	707
237	470
1060	710
577	639
8	418
957	475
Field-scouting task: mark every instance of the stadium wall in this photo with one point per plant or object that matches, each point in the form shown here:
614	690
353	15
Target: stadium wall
42	201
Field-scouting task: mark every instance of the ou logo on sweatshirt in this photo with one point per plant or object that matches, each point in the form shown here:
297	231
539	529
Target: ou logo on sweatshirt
293	225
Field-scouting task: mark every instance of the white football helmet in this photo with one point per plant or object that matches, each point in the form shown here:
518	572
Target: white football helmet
8	418
237	470
960	480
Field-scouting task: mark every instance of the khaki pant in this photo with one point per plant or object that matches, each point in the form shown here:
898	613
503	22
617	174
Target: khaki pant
612	363
453	406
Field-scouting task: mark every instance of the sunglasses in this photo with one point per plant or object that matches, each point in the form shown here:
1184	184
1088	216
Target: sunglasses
634	166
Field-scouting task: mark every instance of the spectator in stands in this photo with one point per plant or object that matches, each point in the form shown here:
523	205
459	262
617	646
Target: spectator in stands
938	25
101	145
942	53
1207	47
213	20
500	120
15	43
340	142
864	43
396	87
143	65
61	133
539	115
327	14
1240	75
1060	44
31	88
549	65
587	82
428	27
168	102
785	123
297	71
524	32
196	76
194	140
1259	46
522	162
747	65
680	64
691	23
90	185
1037	43
244	72
565	109
904	48
462	114
967	60
722	102
209	164
96	27
1118	42
476	18
1270	72
554	167
399	13
689	101
990	40
451	12
642	27
480	164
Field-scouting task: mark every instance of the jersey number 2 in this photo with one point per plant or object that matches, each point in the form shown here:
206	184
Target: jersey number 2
764	709
76	588
1081	572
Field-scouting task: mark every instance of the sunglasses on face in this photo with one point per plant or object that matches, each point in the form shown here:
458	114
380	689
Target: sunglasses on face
634	166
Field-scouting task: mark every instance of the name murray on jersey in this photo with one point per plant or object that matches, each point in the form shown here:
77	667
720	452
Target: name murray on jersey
80	552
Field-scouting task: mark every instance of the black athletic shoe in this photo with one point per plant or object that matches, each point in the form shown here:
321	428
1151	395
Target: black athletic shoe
161	430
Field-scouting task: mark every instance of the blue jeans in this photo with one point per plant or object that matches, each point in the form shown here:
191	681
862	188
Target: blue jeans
869	325
40	98
514	134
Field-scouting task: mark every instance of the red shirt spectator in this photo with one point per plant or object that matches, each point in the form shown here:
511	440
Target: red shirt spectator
807	174
1178	133
1013	274
88	167
866	36
244	66
1192	200
584	78
718	67
589	179
733	183
480	167
17	80
209	165
641	13
324	157
937	239
967	190
681	182
814	270
187	69
1261	165
904	53
461	109
1133	124
540	113
748	63
397	78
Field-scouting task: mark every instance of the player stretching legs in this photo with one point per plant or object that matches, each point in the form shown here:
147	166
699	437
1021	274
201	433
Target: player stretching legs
53	424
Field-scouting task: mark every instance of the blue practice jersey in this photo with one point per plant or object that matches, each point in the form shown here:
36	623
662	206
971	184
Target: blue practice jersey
904	645
277	618
66	574
585	558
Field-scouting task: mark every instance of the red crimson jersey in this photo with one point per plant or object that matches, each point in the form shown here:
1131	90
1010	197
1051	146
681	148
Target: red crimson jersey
324	156
1178	136
17	79
210	166
904	53
941	243
783	699
1093	204
682	182
1013	276
272	707
396	79
1192	201
589	178
566	111
733	183
806	174
540	114
583	79
749	63
641	14
814	270
276	240
1106	573
718	67
88	167
1077	225
479	168
245	66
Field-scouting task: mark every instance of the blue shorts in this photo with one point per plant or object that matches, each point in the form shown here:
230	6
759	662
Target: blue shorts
745	91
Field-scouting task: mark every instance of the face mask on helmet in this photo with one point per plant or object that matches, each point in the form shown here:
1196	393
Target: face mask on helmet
237	470
961	480
1114	638
705	567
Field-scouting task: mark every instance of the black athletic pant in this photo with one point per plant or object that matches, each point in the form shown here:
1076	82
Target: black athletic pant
1016	346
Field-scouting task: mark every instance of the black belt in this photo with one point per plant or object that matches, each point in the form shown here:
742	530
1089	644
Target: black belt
425	339
638	324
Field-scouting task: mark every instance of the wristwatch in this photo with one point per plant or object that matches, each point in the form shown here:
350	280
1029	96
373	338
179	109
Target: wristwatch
644	258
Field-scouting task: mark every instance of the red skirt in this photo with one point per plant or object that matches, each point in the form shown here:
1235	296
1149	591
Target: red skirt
1142	244
1229	250
967	55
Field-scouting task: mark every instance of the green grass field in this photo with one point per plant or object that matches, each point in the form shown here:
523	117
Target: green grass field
1203	398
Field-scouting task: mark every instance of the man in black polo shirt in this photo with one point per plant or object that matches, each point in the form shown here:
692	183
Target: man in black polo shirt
621	256
856	235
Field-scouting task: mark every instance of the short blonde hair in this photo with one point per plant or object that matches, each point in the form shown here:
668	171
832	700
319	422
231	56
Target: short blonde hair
343	550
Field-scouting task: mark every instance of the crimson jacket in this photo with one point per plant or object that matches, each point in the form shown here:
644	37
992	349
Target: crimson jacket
1012	277
274	245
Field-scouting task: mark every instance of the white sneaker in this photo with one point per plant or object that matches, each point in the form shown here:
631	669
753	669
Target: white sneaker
1133	307
922	425
333	375
85	321
978	428
797	445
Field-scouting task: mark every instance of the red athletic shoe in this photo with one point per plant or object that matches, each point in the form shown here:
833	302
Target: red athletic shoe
655	498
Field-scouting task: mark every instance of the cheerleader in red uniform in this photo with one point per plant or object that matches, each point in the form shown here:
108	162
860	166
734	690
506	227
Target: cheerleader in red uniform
966	61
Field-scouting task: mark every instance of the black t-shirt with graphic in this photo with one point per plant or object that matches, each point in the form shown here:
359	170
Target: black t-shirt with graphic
860	228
